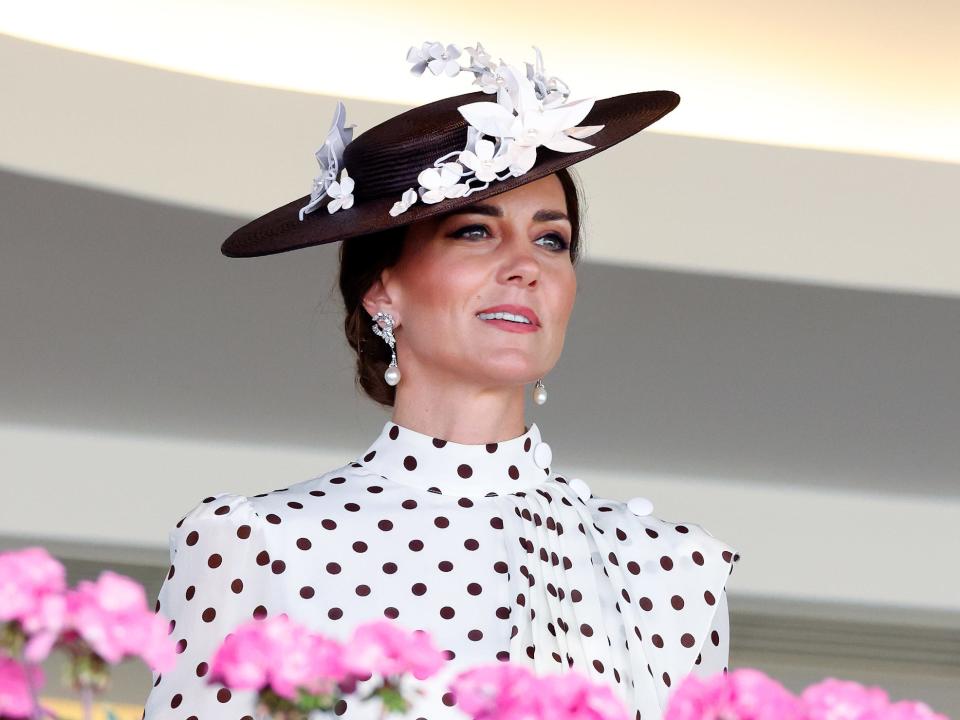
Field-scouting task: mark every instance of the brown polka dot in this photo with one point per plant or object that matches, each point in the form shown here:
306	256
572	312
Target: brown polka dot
715	638
214	560
646	603
304	543
445	566
181	645
273	519
657	640
449	699
408	504
418	588
410	463
447	612
334	613
438	443
278	566
328	524
362	590
687	640
243	532
333	568
666	562
389	568
192	537
259	612
441	522
586	630
415	545
209	614
598	665
263	558
491	447
306	592
391	612
471	544
360	546
474	588
295	505
634	567
202	669
475	635
677	602
191	591
394	432
224	695
708	596
385	525
666	679
697	557
464	471
526	445
513	472
176	700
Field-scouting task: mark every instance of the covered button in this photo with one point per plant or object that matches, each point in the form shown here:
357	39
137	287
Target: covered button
542	455
640	506
580	488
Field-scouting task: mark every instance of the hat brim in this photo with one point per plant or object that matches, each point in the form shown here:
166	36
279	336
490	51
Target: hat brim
281	229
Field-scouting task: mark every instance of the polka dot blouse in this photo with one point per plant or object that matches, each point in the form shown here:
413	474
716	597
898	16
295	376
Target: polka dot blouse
483	546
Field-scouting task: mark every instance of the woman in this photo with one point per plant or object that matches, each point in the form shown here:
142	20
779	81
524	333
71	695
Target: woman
457	295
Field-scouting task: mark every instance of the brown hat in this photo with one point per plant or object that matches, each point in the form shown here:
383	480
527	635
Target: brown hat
447	154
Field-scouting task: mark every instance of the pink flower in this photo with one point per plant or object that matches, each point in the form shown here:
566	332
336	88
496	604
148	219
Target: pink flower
32	585
385	648
497	692
911	710
508	691
15	698
111	615
834	699
281	654
744	694
572	695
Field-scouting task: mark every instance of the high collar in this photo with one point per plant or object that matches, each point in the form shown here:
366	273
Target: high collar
448	468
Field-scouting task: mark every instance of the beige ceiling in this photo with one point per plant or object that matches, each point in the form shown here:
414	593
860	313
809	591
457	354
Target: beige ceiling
877	77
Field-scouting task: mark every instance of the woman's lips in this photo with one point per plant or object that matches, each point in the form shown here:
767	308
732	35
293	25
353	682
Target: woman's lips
511	326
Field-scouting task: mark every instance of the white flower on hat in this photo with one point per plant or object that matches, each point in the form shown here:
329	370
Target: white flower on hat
408	198
330	157
483	162
440	183
529	124
433	55
341	193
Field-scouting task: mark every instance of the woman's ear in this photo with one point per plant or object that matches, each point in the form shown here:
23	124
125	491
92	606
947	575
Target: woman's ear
377	298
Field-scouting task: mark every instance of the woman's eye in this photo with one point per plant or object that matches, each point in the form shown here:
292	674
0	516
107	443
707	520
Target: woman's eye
557	240
471	231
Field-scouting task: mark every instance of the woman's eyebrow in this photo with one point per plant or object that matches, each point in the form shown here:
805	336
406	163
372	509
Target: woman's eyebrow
495	211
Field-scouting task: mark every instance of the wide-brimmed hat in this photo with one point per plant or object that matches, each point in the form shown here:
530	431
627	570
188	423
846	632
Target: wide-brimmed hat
447	154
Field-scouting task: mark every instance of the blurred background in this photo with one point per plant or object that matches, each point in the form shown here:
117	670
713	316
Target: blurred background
766	340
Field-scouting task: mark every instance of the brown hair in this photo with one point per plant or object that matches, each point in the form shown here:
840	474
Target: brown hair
363	258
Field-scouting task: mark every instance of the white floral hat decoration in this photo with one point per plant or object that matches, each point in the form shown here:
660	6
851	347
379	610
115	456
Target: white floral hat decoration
432	158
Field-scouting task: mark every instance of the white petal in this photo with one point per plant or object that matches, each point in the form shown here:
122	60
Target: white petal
334	205
569	115
454	191
409	197
334	189
419	68
450	173
484	149
398	207
452	68
564	143
453	52
432	196
347	202
469	159
347	183
524	159
437	66
486	174
429	178
583	131
490	118
414	55
435	50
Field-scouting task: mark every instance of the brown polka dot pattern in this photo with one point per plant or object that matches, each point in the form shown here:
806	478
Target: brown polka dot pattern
498	558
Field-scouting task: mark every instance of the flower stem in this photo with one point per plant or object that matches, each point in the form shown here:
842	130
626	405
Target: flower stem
86	696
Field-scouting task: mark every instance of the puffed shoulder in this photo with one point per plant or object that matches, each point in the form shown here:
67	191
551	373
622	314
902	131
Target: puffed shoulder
225	513
635	516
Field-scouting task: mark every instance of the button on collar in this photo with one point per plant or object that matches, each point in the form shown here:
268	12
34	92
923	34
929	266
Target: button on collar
640	506
542	455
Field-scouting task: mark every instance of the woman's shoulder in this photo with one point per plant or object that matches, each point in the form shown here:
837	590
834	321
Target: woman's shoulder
633	521
247	513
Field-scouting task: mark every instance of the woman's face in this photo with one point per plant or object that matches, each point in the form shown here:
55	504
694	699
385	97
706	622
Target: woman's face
507	253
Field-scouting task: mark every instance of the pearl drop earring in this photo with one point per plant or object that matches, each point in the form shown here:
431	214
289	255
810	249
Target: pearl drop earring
539	393
383	326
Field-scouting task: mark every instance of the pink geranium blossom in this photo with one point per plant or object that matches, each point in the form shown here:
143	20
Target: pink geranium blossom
111	615
834	699
508	691
278	653
16	700
384	648
744	694
495	692
32	585
911	710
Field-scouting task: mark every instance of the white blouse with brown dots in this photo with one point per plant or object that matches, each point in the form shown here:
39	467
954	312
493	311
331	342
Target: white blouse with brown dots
483	546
